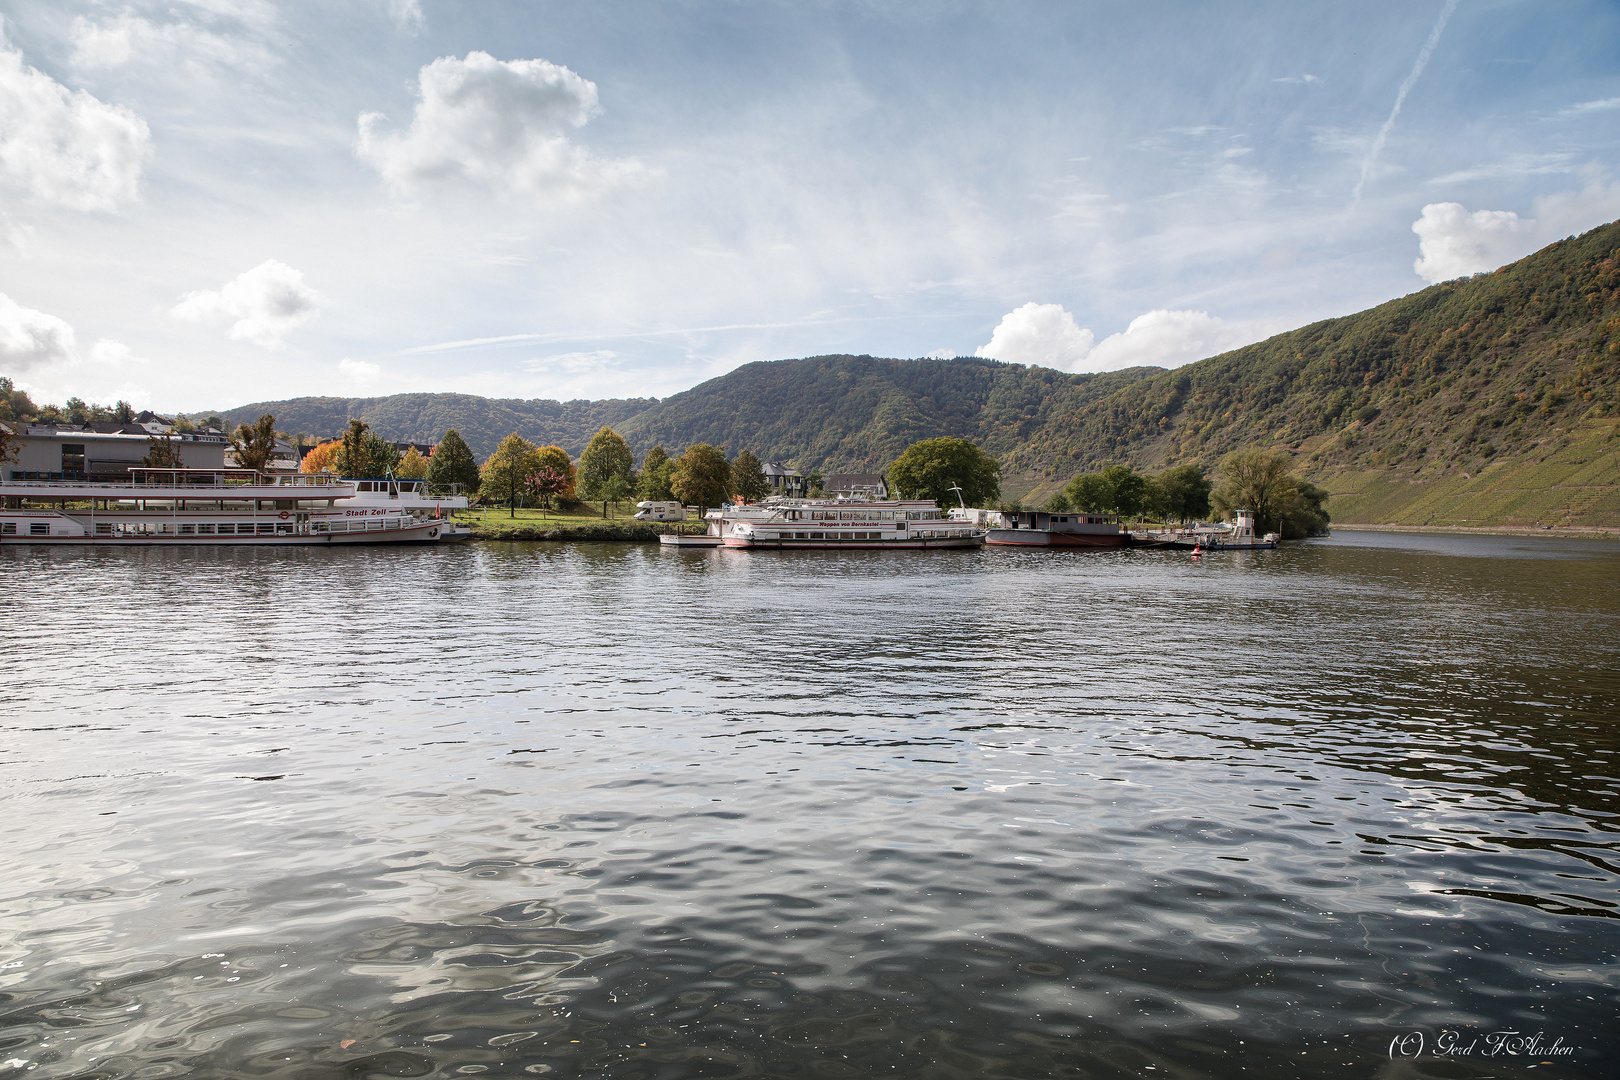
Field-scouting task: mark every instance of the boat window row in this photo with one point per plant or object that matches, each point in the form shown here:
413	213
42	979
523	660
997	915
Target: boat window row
202	528
922	534
864	515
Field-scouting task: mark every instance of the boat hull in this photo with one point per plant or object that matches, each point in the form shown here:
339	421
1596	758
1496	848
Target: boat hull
1047	538
905	543
427	533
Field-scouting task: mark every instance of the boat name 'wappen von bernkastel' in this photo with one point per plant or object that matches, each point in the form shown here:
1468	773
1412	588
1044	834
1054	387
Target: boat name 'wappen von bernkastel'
826	523
221	507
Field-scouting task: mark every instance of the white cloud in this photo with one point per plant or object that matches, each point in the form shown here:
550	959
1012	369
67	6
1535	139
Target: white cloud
1567	212
1304	79
407	14
941	354
264	303
131	39
1454	243
500	125
30	338
1043	334
1168	339
1601	105
64	146
114	354
1046	334
359	371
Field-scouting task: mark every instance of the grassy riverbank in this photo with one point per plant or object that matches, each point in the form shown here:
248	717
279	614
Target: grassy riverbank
577	524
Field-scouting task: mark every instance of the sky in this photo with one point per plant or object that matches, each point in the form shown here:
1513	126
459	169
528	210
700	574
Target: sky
206	203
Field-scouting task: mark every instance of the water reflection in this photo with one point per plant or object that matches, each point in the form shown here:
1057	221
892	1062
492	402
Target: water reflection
616	811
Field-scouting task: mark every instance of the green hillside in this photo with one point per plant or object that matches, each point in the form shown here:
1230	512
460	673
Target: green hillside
1485	400
858	413
1494	368
424	418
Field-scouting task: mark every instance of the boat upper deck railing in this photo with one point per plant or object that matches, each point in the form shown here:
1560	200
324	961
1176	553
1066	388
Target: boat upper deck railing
143	478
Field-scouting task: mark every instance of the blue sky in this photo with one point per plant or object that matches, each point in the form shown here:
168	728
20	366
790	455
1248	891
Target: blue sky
208	203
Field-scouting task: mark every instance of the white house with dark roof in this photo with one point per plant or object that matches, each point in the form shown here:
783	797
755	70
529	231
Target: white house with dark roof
784	479
857	486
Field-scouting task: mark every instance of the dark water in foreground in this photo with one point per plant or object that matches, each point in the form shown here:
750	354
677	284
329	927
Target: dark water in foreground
620	812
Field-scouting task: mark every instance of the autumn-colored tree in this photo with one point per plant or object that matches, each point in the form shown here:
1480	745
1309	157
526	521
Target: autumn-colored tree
557	458
412	466
320	459
702	476
544	483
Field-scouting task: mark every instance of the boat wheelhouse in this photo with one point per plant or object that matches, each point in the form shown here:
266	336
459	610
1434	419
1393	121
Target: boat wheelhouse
841	523
201	507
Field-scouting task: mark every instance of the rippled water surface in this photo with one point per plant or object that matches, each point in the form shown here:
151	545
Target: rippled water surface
614	811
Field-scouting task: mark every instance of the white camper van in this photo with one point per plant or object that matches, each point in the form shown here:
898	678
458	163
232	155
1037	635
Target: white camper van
660	511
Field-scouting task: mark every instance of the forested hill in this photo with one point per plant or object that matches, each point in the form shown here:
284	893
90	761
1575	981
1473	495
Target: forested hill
1441	381
1490	372
424	418
858	413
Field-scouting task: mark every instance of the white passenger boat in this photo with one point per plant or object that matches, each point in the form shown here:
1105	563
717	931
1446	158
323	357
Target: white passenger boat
413	497
841	523
210	507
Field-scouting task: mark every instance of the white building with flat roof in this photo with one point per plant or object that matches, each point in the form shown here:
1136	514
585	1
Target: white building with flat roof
65	452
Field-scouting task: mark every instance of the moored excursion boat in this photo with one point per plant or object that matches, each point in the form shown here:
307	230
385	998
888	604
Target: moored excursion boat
1037	528
413	497
211	507
841	523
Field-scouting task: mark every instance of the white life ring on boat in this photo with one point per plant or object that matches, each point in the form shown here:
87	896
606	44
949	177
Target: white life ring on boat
284	515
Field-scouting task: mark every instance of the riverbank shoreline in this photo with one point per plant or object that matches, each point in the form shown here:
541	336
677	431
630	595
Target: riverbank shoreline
635	533
1573	532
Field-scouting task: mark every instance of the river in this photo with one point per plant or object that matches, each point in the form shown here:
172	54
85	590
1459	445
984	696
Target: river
1348	808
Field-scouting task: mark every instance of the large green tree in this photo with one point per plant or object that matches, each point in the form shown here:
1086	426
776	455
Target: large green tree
748	476
657	470
702	477
453	463
606	468
1303	513
364	454
505	475
1256	480
929	469
1127	490
255	443
1089	493
1186	492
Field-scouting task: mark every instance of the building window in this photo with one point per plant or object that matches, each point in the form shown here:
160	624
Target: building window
73	457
